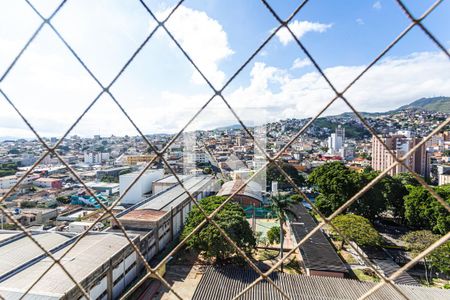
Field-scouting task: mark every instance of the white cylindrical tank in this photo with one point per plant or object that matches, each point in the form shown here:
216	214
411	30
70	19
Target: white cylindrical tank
141	187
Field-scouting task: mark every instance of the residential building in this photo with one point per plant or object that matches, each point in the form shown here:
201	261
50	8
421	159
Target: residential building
135	159
48	183
399	145
93	158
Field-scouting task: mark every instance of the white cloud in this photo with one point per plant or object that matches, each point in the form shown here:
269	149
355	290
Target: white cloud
377	5
360	21
204	39
388	85
300	28
300	63
275	93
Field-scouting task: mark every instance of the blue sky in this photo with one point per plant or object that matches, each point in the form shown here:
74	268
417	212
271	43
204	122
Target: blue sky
160	89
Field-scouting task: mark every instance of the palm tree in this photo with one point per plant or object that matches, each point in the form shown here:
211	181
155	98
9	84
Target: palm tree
281	208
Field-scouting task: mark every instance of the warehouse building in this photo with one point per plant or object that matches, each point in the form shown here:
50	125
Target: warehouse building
160	218
103	263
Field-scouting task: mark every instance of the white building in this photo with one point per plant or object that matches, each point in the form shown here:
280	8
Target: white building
444	179
8	182
140	188
336	141
92	158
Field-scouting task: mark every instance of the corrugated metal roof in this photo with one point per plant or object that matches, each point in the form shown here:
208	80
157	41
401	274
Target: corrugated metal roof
90	253
226	282
4	235
176	195
20	251
389	267
317	252
251	189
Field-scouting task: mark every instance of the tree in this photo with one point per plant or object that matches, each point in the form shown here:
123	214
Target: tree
231	218
357	229
274	174
273	235
280	205
123	172
394	191
407	179
440	258
423	211
336	183
63	199
373	202
110	179
418	241
28	204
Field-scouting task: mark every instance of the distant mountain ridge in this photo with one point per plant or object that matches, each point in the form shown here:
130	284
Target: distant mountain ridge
441	104
434	104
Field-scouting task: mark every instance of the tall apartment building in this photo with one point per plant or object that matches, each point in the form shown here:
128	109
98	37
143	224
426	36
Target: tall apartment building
336	141
400	144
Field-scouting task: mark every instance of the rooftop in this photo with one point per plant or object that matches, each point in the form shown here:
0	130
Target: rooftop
317	252
175	195
252	189
227	282
143	215
89	254
11	258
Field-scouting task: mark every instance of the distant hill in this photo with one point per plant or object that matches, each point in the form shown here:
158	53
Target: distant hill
441	104
231	127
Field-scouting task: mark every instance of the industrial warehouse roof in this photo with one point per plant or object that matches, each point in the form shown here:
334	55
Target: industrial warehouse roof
89	254
317	252
171	179
227	282
19	250
175	195
252	189
143	215
4	235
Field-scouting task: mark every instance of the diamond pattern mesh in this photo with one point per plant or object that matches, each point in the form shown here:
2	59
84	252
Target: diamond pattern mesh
274	160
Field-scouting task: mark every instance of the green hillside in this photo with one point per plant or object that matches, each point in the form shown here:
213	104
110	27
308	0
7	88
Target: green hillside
441	104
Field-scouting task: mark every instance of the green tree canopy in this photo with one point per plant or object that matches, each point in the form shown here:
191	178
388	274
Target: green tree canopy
357	229
231	218
407	179
440	258
423	211
418	241
337	183
394	191
273	235
274	174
